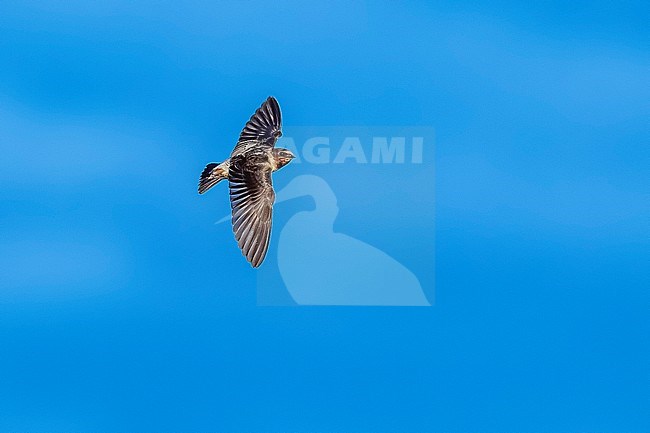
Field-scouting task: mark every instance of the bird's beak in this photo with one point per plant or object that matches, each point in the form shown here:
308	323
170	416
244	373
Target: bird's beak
224	219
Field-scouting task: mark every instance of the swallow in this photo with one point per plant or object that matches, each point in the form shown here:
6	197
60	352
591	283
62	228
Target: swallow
248	171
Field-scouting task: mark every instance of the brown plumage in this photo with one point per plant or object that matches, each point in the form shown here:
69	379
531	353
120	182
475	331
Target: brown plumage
248	171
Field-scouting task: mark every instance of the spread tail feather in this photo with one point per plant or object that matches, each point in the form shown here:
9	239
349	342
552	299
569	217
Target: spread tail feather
212	174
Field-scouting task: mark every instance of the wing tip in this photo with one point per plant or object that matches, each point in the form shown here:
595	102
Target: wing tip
271	100
273	106
266	120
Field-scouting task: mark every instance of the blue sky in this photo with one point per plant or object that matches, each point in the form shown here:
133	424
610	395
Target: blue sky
119	311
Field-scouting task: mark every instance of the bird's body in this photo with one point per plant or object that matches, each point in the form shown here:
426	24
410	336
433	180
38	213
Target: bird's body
214	173
248	171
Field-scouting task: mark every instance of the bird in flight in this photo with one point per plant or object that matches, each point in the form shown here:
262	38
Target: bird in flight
248	171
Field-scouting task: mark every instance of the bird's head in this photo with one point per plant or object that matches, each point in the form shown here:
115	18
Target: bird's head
282	156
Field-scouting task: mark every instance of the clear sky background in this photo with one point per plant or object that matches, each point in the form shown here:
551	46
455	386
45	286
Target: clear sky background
120	313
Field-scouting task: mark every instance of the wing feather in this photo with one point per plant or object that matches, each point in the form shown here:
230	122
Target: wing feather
262	129
251	200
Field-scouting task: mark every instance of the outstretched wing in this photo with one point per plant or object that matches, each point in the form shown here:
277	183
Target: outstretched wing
251	200
263	128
